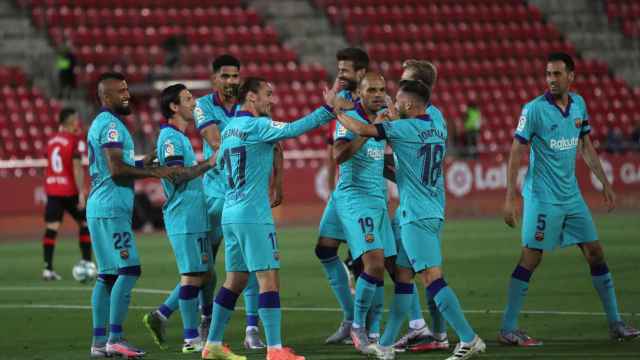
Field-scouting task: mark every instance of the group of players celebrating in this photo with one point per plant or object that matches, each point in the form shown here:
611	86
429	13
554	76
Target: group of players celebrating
229	195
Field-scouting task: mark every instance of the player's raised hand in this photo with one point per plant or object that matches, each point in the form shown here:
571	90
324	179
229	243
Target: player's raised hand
392	113
510	211
609	197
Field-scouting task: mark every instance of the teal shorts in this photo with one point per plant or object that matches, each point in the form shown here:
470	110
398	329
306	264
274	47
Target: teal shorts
330	226
250	247
367	229
402	260
214	210
114	244
192	251
546	226
421	244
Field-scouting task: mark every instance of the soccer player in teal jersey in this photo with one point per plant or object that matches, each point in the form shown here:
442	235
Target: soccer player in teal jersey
419	144
246	155
556	126
185	212
420	337
361	205
352	65
212	113
109	210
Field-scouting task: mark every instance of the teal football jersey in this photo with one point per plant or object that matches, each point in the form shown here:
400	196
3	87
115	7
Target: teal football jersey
554	135
210	111
185	210
360	180
246	154
419	146
109	198
436	115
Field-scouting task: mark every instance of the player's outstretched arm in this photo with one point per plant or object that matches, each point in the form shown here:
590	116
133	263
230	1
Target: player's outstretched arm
121	170
211	134
511	199
343	150
192	172
592	160
366	130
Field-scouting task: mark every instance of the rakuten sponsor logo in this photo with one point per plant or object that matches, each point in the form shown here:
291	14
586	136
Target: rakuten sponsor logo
563	144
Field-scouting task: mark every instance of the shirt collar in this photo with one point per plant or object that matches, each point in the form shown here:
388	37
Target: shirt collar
243	113
361	112
215	98
424	117
106	109
163	126
552	101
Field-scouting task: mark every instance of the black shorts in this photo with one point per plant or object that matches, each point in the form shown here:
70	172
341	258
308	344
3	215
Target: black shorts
57	205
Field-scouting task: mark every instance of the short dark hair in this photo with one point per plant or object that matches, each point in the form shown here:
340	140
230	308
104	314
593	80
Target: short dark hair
250	84
170	95
65	113
224	60
358	56
423	70
110	76
565	58
417	88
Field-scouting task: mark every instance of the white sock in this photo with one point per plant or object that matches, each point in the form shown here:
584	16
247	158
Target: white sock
374	335
417	324
355	326
251	328
279	346
214	343
194	340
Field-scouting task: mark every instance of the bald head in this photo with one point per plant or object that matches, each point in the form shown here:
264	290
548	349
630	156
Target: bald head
372	91
114	93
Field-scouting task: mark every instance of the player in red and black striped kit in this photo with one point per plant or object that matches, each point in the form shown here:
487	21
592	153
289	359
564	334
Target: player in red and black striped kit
64	186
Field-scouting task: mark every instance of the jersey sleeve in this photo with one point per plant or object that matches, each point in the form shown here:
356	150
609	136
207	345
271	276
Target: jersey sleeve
342	133
112	135
205	116
526	124
79	148
585	127
171	151
273	131
391	130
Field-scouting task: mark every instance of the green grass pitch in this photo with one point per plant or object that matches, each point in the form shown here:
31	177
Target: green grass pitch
52	320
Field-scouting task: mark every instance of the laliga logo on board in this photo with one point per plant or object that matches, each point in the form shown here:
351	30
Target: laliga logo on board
460	178
608	171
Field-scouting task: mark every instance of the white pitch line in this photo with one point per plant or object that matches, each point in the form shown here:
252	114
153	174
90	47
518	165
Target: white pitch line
308	309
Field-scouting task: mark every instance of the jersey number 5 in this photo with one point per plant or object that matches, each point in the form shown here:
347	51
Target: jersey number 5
432	164
241	153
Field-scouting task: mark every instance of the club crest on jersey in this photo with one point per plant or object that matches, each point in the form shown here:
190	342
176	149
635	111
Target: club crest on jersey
169	149
124	254
539	236
578	123
369	238
278	124
205	258
112	135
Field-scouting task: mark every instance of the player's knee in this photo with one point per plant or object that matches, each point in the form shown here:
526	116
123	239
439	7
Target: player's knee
130	271
375	268
328	242
54	226
193	279
430	275
403	275
325	252
530	258
593	253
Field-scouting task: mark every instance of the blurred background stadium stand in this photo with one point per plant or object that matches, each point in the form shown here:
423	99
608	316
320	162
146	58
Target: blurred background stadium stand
488	52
